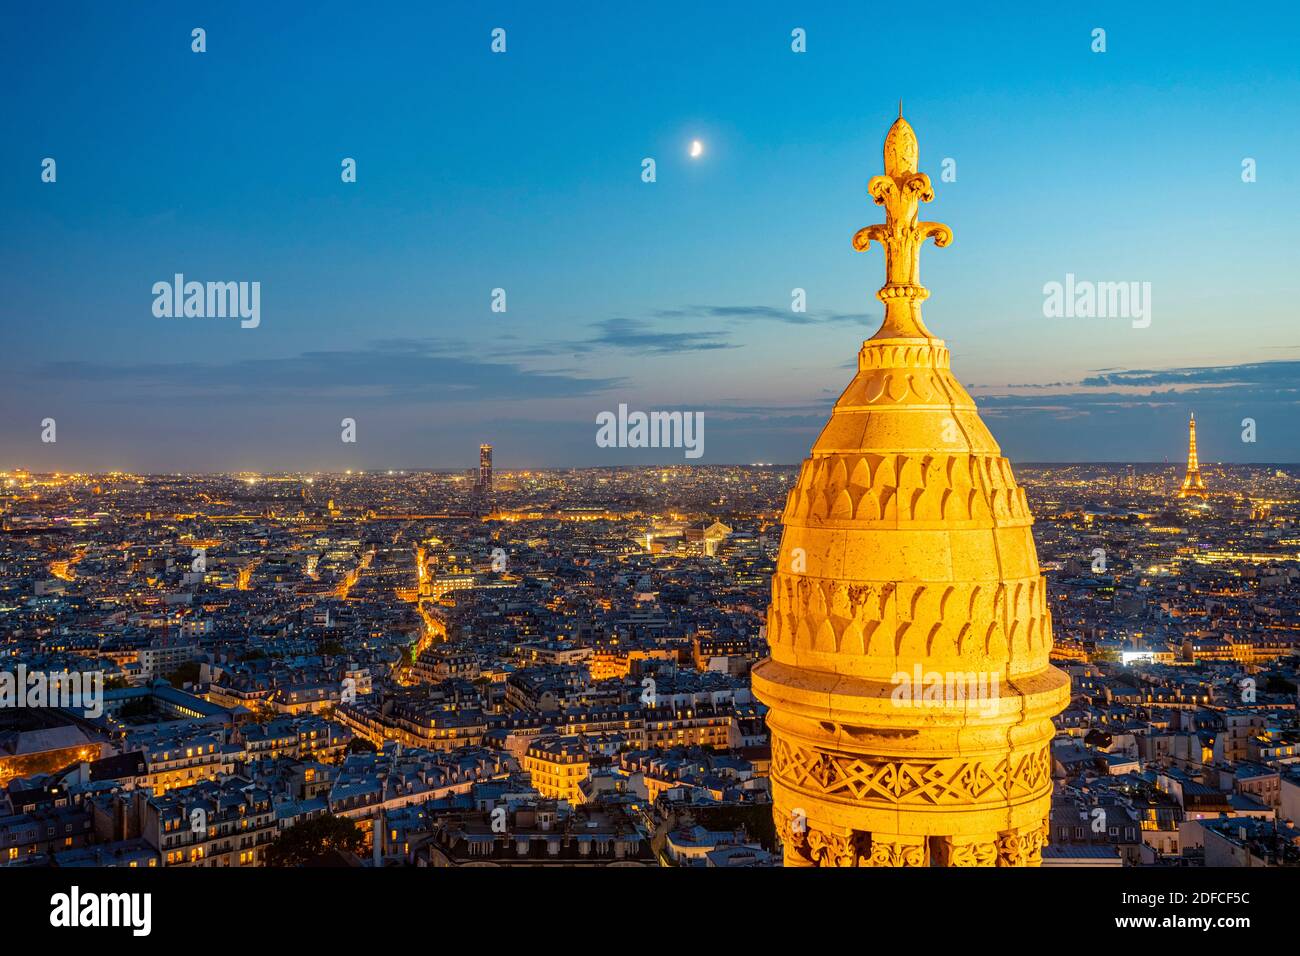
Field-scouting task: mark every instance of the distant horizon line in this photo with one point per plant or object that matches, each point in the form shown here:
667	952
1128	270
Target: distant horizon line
387	472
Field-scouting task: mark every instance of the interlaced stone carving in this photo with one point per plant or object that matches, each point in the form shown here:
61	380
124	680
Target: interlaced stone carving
937	782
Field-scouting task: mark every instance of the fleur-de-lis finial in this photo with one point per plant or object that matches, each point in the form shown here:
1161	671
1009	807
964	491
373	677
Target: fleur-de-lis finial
901	190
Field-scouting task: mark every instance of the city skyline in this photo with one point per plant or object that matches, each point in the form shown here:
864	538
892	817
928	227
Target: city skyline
474	173
475	467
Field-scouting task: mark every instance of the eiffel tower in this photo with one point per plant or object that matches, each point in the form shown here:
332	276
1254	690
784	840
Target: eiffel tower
1193	486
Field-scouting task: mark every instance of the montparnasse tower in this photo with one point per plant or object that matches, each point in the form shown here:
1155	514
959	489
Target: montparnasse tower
910	693
1193	486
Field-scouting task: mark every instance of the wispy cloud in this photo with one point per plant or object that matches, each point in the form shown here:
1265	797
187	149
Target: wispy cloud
1279	373
634	335
649	336
768	313
385	369
1250	386
1257	378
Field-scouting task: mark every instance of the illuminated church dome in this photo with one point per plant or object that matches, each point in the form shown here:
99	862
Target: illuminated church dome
910	691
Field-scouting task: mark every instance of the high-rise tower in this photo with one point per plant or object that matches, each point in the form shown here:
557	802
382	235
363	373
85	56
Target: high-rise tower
484	483
910	694
1193	486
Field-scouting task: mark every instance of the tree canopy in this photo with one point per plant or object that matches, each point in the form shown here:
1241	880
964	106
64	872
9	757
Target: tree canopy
304	842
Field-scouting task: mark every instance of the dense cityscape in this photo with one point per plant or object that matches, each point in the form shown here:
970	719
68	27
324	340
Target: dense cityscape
552	668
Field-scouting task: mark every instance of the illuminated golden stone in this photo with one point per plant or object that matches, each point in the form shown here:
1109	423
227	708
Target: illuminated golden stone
907	552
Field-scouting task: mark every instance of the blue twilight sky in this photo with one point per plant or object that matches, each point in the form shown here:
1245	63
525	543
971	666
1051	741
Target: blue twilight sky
522	171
